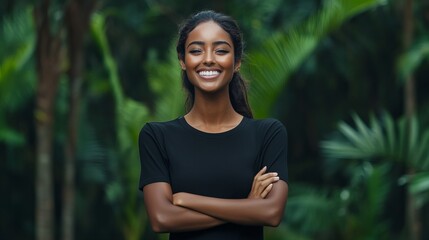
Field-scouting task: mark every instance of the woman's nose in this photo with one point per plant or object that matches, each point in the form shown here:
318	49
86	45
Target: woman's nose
208	58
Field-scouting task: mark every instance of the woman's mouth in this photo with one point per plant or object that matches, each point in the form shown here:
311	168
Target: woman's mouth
209	74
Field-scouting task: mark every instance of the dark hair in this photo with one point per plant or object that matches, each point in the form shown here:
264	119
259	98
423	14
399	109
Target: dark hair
237	86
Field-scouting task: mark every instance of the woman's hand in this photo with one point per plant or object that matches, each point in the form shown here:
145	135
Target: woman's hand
263	183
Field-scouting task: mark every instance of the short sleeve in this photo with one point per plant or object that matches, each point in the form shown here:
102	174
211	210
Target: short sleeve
154	165
274	153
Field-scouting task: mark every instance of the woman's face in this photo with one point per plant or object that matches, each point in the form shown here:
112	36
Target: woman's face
209	58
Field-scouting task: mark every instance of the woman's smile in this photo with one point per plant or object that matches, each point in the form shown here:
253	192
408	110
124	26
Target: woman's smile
209	74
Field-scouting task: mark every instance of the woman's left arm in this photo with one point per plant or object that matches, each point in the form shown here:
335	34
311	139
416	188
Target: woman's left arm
261	211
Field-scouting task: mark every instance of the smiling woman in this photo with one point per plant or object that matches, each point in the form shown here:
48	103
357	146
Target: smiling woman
215	173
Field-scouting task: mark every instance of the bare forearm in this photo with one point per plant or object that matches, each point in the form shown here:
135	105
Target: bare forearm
268	211
166	217
178	219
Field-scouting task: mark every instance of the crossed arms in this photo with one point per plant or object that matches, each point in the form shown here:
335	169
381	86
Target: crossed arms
179	212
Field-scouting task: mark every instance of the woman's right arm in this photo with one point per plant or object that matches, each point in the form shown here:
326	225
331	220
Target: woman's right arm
166	217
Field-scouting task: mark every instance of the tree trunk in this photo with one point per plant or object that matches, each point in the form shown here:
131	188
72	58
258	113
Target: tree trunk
77	20
413	220
47	57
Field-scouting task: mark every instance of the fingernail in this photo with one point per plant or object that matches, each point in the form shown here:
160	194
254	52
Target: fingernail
276	178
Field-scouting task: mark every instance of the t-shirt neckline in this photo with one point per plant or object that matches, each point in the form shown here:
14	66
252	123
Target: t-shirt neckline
229	132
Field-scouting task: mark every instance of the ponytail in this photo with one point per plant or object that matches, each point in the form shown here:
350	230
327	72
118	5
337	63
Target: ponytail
238	96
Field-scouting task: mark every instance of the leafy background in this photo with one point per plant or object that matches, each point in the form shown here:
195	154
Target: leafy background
335	72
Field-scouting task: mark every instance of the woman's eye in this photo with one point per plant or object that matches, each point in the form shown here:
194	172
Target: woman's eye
222	51
195	51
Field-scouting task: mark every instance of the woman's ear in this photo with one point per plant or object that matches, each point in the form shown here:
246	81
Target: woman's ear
237	66
182	64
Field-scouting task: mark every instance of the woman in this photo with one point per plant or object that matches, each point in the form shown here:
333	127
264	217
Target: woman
214	173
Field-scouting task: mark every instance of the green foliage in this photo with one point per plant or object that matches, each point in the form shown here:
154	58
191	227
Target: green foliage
130	117
122	190
385	138
164	81
307	206
384	142
309	66
412	59
353	212
270	66
16	78
366	222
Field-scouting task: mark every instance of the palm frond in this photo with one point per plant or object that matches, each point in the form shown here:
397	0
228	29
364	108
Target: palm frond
420	183
379	141
270	66
384	138
418	186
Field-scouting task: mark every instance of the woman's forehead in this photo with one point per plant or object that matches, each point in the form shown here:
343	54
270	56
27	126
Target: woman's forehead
208	32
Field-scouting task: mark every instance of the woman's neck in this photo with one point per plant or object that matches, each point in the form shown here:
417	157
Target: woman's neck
213	113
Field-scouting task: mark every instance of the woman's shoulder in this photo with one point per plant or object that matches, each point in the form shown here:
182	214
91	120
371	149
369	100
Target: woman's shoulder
161	126
268	123
269	128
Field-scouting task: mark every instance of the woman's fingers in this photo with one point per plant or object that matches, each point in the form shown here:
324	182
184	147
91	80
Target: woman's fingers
268	181
262	183
267	175
267	190
267	185
258	175
255	179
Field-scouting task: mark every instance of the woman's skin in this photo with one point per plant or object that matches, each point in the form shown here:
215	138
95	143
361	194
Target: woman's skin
167	217
209	64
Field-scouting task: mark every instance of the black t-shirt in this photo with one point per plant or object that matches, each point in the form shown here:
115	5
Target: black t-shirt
220	165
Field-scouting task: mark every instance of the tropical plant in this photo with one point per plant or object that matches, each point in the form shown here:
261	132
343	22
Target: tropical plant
130	117
121	191
270	66
387	141
17	83
351	212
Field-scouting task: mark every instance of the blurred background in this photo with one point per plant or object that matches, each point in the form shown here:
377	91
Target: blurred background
348	78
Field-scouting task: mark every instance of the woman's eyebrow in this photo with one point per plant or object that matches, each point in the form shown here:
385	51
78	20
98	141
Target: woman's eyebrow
214	43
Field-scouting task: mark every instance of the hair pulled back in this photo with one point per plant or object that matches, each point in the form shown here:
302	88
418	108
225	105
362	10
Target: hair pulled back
237	86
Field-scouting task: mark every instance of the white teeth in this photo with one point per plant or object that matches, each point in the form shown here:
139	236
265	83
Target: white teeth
208	73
